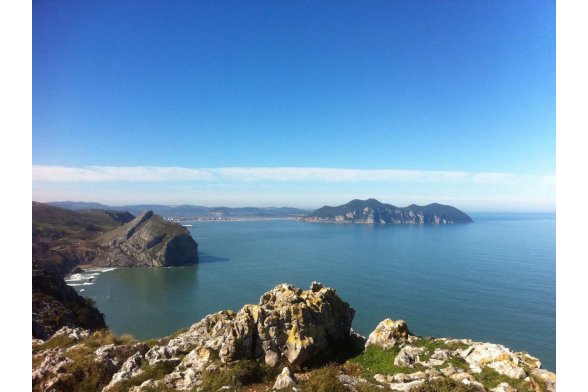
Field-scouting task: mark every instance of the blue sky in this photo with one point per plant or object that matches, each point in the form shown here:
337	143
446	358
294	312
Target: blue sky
295	103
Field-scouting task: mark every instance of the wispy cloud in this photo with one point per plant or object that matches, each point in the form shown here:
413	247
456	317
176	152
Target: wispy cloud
264	174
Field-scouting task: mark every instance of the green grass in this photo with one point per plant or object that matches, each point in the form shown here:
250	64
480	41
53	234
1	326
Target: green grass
54	342
325	379
86	373
491	378
375	360
457	362
238	374
444	385
432	344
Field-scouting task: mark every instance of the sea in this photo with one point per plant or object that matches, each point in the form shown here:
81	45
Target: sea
492	280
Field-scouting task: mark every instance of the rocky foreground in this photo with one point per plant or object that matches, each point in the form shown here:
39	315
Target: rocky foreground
292	340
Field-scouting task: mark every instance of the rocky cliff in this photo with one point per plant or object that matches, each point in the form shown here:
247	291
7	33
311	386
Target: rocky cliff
147	241
63	239
372	211
283	342
56	305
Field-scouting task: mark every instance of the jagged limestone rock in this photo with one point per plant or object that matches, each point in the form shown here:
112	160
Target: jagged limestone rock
503	387
388	334
284	379
495	356
288	326
546	377
408	356
131	368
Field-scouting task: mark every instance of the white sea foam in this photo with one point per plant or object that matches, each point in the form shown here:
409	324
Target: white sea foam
99	270
80	284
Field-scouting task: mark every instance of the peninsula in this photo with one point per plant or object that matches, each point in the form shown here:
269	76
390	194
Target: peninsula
372	211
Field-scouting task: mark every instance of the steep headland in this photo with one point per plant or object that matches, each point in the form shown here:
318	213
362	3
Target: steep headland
147	241
64	239
294	340
372	211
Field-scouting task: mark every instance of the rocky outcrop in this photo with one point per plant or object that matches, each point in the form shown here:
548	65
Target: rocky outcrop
371	211
288	325
297	330
388	334
459	360
56	305
147	241
284	380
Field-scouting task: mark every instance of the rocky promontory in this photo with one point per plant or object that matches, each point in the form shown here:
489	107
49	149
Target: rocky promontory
147	241
292	340
372	211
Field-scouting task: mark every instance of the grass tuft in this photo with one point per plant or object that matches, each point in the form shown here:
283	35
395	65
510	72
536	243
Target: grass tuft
491	378
325	379
238	374
155	372
375	360
444	385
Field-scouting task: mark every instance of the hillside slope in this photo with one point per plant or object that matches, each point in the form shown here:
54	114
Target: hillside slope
63	239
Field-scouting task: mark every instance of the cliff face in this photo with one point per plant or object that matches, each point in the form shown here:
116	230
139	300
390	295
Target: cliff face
147	241
371	211
56	305
288	329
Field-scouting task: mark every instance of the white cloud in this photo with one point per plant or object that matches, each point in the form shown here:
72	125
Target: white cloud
114	173
264	174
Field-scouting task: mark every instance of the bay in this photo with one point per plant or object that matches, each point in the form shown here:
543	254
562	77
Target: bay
491	280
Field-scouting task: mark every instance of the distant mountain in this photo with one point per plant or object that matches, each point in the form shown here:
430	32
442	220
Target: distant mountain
373	211
79	205
190	211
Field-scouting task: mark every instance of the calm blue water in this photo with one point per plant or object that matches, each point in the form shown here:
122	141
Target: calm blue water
492	280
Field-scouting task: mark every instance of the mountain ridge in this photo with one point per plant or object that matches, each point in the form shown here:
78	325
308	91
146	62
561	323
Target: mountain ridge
372	211
189	210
